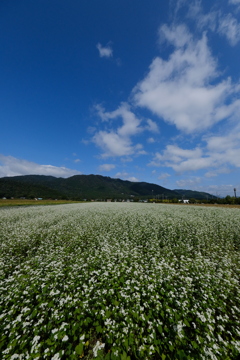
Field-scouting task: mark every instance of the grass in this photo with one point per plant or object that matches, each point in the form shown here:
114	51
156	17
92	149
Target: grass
26	202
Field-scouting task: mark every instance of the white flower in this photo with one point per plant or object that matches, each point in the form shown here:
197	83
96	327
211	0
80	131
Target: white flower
56	357
97	347
14	356
35	340
65	338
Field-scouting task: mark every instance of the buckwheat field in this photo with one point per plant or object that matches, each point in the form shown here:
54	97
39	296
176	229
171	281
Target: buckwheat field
119	281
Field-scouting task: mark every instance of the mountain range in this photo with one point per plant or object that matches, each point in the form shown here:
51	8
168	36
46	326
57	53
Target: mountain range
88	187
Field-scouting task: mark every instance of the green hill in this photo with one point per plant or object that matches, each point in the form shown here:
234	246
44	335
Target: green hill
86	187
78	187
191	194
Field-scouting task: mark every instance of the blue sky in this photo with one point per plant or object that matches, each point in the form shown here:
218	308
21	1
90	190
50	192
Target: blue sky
138	90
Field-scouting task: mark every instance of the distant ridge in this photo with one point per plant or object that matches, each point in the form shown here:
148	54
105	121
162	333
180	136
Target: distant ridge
191	194
79	187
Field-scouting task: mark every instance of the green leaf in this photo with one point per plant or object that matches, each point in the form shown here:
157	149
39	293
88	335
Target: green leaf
99	329
79	349
124	356
194	344
181	354
160	329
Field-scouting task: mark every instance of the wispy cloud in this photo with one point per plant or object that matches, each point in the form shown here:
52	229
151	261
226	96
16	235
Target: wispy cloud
235	2
11	166
105	51
163	176
188	183
152	126
216	20
230	27
218	171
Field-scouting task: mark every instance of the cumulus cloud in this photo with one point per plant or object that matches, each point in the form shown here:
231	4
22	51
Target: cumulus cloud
181	160
217	153
112	144
126	176
11	166
104	51
106	167
117	141
183	90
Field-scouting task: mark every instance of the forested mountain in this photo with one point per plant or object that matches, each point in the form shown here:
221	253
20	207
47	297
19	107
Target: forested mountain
191	194
83	187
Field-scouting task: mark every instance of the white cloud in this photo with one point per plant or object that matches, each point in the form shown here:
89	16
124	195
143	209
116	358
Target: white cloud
150	140
215	20
104	51
216	172
152	126
235	2
178	36
126	176
179	89
176	5
117	142
112	144
131	124
217	154
188	183
182	160
230	27
11	166
106	167
133	179
208	20
175	155
163	176
211	174
222	189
